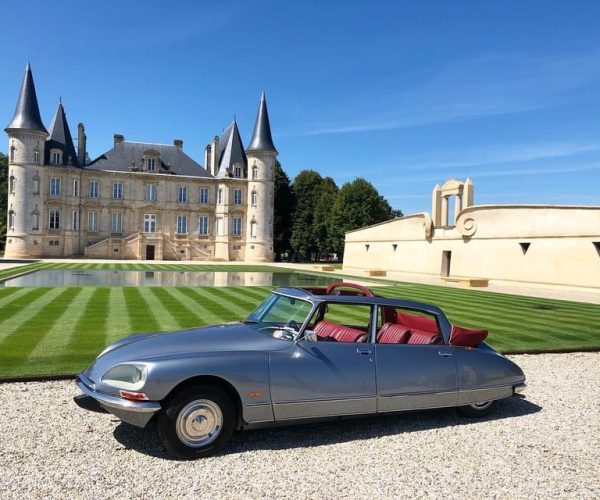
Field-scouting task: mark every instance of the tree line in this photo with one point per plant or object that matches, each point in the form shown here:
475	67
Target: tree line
312	214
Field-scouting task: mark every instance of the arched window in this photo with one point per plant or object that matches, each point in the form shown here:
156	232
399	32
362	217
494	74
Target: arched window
12	153
254	172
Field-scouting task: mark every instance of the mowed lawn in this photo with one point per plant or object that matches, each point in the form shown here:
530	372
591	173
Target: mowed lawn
60	330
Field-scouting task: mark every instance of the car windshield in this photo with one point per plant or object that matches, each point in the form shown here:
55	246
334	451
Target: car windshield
280	310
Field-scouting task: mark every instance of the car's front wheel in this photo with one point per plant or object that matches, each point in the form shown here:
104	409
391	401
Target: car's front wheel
477	410
197	422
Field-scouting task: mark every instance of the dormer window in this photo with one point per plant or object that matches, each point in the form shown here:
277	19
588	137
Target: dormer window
237	172
150	160
56	158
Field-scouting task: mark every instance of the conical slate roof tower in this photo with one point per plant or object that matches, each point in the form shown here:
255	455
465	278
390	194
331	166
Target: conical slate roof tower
27	113
60	138
261	137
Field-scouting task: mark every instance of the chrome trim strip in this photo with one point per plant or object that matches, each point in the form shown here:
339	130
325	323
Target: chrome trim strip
302	401
489	388
118	403
403	394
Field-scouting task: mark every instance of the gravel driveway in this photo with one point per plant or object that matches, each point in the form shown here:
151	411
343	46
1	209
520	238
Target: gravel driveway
545	446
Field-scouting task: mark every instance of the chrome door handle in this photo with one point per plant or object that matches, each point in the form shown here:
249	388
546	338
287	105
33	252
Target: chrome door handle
364	352
445	354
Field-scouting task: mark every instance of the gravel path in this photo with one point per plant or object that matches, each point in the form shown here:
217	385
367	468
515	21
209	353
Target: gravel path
545	446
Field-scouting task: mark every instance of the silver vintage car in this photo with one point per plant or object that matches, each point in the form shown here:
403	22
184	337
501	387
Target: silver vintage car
302	354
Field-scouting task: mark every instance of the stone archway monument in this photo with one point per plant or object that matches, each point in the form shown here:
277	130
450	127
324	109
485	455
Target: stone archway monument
463	198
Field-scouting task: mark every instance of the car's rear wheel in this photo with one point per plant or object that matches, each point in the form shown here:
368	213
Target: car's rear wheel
197	422
477	410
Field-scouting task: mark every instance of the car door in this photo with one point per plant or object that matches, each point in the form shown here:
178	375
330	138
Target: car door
411	377
320	379
414	376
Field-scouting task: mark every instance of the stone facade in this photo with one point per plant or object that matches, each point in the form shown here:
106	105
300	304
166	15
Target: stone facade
540	244
138	200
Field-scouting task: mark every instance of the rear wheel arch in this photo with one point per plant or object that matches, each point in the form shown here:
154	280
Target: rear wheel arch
210	381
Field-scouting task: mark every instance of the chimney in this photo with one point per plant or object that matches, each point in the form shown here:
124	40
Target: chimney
81	145
118	139
214	151
178	143
207	157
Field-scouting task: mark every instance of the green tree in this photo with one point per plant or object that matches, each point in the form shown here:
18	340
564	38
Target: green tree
322	221
284	205
306	187
3	197
358	204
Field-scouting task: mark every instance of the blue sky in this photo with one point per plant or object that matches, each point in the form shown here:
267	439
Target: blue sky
405	94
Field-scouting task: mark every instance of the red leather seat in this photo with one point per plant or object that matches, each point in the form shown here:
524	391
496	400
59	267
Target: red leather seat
326	330
418	322
466	337
392	333
423	337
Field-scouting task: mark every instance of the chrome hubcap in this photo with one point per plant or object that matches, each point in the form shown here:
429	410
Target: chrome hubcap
481	406
199	423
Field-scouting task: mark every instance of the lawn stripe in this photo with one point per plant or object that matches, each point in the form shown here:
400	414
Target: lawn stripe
21	309
207	313
22	341
117	324
166	320
186	317
89	338
48	355
141	317
8	295
228	312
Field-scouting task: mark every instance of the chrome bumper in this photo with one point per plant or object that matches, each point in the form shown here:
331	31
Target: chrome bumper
136	413
520	388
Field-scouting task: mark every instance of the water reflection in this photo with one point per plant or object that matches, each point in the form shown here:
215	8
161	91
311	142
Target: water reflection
65	277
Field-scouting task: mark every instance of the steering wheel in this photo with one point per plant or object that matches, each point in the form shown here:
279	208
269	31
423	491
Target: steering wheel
293	324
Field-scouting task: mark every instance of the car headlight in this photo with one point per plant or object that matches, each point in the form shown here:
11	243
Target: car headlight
127	376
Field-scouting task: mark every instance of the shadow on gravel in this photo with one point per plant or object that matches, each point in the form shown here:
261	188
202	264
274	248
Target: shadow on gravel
328	432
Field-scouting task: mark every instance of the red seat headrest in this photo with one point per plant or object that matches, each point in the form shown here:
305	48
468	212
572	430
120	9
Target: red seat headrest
466	337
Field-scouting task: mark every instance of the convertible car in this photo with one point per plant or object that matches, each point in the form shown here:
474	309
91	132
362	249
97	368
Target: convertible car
302	354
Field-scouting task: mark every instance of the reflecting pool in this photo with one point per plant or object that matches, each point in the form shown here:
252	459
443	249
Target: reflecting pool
73	277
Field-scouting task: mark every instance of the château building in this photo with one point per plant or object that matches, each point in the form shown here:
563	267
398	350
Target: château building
138	200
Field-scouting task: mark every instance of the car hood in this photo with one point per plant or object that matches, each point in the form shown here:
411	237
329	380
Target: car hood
149	346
